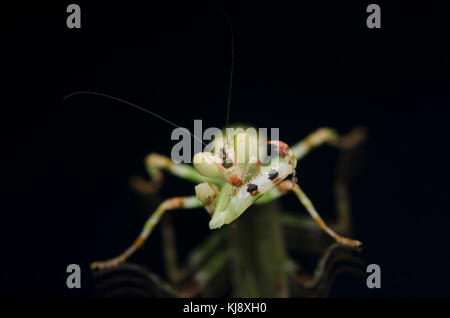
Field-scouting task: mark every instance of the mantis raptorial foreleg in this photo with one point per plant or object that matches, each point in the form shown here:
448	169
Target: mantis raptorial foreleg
156	164
169	204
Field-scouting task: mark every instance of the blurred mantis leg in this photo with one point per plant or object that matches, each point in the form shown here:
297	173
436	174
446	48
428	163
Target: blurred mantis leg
314	140
330	136
195	259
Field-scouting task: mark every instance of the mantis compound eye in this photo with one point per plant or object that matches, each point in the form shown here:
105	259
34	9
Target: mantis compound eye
205	164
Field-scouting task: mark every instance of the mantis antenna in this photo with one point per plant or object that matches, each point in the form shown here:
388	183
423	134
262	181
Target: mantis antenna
131	104
230	87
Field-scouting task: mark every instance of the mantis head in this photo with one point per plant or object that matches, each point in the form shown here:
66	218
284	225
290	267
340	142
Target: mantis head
245	178
234	161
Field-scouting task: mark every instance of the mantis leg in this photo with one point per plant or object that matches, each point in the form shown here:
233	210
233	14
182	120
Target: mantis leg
319	221
156	163
334	260
194	260
169	204
330	136
210	279
312	141
288	185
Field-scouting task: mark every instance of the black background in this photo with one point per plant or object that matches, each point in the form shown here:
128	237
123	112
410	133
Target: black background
66	164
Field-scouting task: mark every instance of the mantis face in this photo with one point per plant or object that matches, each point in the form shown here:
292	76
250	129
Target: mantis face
245	178
233	161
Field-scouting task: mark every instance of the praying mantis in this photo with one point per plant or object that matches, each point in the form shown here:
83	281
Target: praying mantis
230	180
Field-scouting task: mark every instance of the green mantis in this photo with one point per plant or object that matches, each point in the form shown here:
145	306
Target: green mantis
233	177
